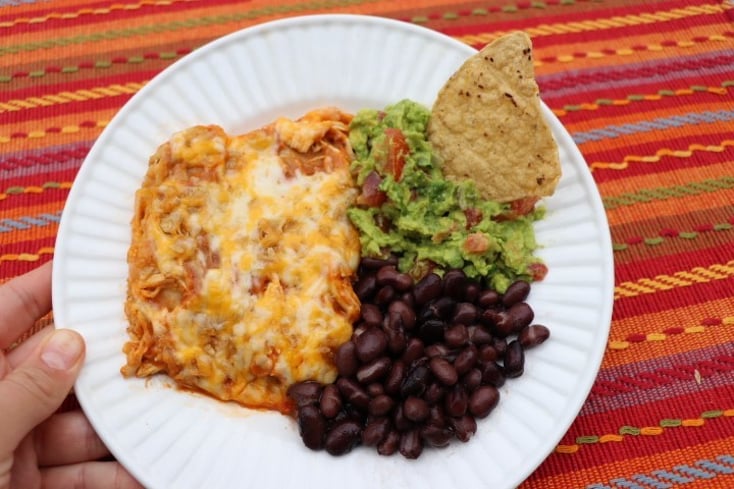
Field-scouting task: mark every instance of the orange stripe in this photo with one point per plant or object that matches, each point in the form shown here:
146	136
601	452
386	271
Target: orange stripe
604	472
610	144
185	34
670	207
612	188
647	39
660	344
30	234
37	134
32	210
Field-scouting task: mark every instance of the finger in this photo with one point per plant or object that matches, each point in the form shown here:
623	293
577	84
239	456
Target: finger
109	475
36	388
20	353
24	300
67	438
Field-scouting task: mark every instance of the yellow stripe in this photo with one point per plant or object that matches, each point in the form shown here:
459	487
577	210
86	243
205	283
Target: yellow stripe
659	154
66	97
26	256
696	275
88	11
603	24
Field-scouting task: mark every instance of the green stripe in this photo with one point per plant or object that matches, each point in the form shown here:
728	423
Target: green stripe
664	193
178	25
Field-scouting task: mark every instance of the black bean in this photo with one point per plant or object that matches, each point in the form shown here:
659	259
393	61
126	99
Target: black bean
415	409
503	326
395	377
440	308
385	295
403	282
432	331
489	317
466	359
456	336
435	436
443	370
375	389
415	381
404	311
454	282
390	444
396	340
353	392
487	353
516	292
413	350
375	431
478	335
456	401
370	344
374	371
400	421
346	360
371	315
331	401
386	275
521	315
514	363
380	405
411	445
436	350
499	344
409	299
533	335
488	298
305	393
465	313
376	263
434	392
342	437
365	287
311	426
492	374
471	292
472	379
427	289
436	416
464	427
483	400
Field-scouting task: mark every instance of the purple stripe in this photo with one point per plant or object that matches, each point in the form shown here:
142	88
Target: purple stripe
647	72
666	389
51	159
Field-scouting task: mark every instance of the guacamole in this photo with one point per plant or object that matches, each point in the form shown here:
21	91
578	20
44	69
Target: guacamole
407	207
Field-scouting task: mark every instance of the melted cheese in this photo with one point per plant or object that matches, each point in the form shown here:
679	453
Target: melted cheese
242	259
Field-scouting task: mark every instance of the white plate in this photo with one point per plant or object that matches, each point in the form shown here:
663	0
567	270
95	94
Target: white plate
172	439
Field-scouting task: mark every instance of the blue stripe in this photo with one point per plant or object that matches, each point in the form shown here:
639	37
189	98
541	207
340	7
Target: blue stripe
680	475
690	118
15	3
28	222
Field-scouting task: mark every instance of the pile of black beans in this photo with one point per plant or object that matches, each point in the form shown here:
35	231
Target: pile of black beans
425	361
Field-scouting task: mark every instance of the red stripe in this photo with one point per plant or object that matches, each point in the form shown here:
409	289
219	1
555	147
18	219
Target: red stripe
146	12
564	16
76	107
586	93
29	246
670	300
686	407
37	179
697	159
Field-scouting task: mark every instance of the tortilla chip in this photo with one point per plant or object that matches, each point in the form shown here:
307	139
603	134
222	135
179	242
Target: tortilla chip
487	125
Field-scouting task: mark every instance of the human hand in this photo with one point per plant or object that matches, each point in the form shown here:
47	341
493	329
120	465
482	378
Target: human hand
40	449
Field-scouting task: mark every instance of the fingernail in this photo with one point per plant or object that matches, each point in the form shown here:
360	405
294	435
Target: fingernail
62	350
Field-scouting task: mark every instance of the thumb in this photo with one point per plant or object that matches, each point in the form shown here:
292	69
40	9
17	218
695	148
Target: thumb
35	389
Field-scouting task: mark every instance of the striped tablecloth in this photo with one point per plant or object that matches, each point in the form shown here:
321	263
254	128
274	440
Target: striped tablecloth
646	88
